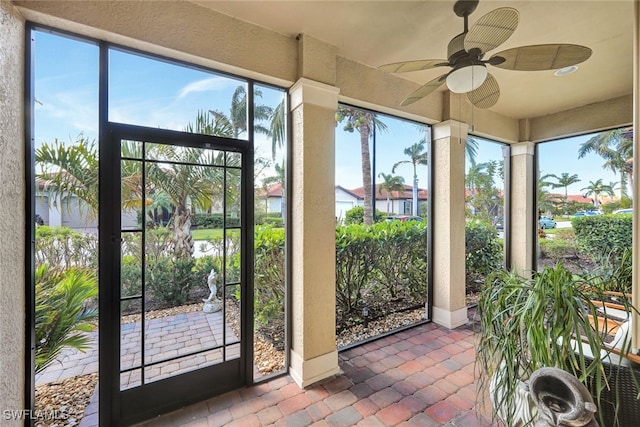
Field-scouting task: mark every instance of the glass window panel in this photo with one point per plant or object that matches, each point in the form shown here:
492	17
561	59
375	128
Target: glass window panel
232	314
130	379
130	336
233	352
182	365
233	197
190	155
131	149
232	266
150	92
131	206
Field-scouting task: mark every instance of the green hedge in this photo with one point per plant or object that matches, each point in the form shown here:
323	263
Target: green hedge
603	237
214	220
484	253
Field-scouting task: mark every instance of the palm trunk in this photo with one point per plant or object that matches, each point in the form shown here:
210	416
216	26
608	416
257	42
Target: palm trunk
366	174
415	196
182	239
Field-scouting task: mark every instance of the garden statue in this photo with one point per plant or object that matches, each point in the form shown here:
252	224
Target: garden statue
212	304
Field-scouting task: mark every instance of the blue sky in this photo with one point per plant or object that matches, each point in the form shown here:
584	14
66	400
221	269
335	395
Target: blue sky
157	94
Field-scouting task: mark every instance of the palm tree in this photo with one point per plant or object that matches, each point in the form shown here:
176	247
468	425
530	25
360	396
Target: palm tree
390	183
363	122
471	149
237	118
70	169
595	188
564	180
189	182
616	150
544	201
478	176
418	156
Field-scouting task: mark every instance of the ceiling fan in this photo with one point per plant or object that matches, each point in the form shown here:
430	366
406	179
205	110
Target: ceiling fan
466	51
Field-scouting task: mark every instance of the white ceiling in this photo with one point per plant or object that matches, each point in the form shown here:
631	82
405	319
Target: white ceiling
380	32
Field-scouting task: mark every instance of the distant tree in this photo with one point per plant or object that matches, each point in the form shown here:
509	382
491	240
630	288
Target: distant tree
596	188
390	183
564	181
363	122
418	156
616	150
545	202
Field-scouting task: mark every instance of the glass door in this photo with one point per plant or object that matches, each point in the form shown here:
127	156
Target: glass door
175	283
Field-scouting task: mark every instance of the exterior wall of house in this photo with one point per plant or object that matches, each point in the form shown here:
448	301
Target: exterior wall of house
274	204
344	203
12	214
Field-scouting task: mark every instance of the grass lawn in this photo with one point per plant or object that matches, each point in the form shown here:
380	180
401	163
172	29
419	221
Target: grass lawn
212	233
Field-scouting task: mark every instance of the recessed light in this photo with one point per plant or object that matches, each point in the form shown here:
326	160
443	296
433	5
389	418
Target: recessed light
565	71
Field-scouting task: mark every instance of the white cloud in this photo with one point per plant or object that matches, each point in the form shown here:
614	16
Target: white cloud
204	85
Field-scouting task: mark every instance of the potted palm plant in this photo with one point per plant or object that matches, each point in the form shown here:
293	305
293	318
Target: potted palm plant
544	320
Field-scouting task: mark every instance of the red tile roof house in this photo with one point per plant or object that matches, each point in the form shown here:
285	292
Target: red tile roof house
400	202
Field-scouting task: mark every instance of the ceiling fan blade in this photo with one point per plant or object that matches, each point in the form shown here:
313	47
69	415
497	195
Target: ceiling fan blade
492	29
486	95
542	57
425	90
406	66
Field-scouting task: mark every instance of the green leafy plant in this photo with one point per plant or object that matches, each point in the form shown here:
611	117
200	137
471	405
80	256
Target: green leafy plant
530	322
62	246
170	280
603	237
62	316
401	257
269	275
355	260
356	216
483	253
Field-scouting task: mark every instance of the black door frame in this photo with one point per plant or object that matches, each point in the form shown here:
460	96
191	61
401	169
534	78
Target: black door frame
175	392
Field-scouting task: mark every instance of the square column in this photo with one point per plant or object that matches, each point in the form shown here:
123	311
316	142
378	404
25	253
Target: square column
523	215
448	191
313	229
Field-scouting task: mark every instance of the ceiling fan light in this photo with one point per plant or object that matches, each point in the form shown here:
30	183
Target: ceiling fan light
467	78
565	71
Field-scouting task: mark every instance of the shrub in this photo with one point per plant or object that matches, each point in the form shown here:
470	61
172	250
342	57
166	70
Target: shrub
603	237
171	280
61	311
269	275
62	247
355	259
273	219
213	220
483	252
401	257
356	216
563	245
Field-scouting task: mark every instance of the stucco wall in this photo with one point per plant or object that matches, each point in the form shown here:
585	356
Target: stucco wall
12	217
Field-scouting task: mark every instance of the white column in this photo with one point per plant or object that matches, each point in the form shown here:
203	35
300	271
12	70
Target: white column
313	352
523	217
448	191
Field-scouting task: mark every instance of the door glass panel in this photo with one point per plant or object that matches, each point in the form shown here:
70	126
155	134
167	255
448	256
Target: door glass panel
174	267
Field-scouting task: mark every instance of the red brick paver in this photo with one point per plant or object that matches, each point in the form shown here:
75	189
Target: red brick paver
423	377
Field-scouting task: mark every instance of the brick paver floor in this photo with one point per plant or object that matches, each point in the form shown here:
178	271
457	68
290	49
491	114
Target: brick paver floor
423	376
